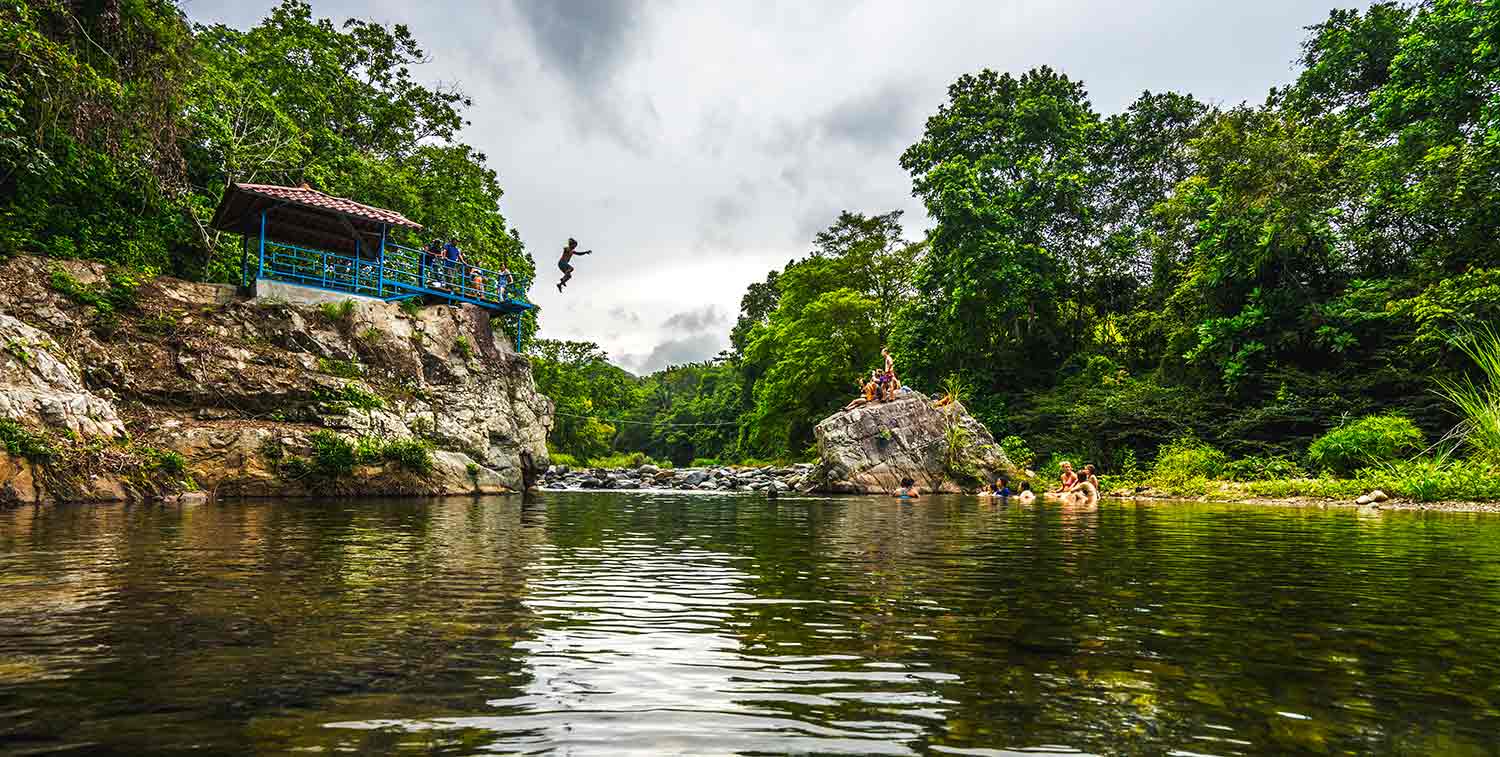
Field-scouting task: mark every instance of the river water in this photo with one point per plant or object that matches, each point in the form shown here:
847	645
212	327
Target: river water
615	623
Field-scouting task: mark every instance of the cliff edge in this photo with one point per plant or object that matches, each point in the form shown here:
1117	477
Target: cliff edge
117	388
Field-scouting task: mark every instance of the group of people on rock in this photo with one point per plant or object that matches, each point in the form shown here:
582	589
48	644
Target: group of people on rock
883	385
1075	488
444	267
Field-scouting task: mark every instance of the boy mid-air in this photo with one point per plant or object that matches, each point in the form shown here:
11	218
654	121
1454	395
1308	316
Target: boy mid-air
562	262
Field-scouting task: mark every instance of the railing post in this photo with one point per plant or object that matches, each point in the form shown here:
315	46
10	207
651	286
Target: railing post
356	265
380	266
323	269
260	272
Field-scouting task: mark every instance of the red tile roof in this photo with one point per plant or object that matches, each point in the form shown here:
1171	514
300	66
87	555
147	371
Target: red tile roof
312	198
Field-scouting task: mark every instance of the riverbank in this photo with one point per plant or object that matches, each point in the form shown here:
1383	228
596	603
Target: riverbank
1402	504
802	478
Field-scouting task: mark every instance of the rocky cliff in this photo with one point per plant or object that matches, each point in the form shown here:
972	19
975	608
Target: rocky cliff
113	389
869	449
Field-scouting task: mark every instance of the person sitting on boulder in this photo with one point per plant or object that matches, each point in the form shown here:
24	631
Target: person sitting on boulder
908	489
945	401
867	395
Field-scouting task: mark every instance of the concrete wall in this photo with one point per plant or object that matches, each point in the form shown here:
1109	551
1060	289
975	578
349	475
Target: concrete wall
266	289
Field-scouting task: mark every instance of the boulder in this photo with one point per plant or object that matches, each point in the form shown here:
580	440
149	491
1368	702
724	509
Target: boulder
870	449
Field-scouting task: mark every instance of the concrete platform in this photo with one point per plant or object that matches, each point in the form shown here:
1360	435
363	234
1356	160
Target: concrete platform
295	294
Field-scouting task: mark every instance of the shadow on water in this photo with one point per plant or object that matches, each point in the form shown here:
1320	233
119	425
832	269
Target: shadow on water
646	623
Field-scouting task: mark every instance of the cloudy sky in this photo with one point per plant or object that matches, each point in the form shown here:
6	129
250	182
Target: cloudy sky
695	145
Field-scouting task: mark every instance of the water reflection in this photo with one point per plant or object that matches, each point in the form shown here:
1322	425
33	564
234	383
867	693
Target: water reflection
651	623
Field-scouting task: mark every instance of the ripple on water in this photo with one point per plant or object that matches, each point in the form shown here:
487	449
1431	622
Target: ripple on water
661	623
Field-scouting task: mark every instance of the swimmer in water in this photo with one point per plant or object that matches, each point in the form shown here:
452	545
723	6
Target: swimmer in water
908	489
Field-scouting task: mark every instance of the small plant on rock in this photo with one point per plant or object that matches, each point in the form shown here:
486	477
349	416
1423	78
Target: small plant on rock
23	442
340	368
341	312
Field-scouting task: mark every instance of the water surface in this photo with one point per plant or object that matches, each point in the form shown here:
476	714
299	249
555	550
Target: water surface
616	623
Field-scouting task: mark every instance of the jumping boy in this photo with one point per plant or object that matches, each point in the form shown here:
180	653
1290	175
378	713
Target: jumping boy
562	262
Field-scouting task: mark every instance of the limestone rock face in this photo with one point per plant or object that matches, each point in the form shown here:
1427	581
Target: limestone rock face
237	387
869	449
39	388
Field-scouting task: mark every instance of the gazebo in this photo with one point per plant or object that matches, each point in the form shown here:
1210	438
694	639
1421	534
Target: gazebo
303	237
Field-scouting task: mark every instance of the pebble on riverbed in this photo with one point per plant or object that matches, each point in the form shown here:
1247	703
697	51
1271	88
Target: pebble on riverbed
762	479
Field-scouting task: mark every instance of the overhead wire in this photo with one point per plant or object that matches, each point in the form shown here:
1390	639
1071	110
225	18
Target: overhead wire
646	423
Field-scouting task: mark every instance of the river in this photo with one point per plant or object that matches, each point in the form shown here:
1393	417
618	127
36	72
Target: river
649	623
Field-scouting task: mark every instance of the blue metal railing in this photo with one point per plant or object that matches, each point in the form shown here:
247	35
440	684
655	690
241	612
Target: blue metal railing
399	273
414	270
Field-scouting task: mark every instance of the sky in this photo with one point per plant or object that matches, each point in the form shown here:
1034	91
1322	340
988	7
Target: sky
695	146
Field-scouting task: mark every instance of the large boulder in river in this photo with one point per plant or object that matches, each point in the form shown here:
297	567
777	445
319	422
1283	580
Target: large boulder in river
869	449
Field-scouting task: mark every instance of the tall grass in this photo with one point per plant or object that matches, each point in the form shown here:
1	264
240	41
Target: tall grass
1478	403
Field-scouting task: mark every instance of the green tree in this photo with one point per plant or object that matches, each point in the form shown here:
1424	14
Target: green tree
1004	170
589	393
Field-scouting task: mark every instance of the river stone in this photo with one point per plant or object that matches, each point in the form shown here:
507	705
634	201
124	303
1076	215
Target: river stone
695	478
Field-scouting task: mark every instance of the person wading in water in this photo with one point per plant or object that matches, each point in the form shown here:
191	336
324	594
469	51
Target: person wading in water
562	262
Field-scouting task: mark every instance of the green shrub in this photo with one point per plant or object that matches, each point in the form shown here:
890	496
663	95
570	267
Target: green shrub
338	312
272	450
1257	468
410	308
705	462
472	469
333	456
23	442
1016	451
118	292
160	325
411	454
620	460
563	459
1185	460
372	336
349	396
340	368
464	348
1368	441
169	462
1478	403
